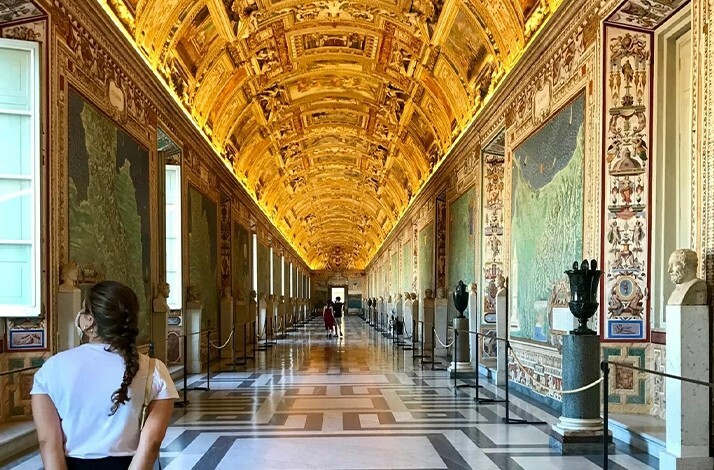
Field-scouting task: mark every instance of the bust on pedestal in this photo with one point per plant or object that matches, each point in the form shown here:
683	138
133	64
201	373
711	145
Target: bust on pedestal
194	308
427	316
472	317
416	317
398	311
461	361
687	356
69	302
160	320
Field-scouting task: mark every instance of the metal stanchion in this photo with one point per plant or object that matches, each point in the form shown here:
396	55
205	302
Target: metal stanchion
453	357
184	402
477	398
419	325
605	367
508	419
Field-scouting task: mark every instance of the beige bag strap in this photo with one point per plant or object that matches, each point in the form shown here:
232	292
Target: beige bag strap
147	392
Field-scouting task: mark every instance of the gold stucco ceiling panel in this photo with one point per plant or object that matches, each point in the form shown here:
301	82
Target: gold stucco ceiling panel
333	112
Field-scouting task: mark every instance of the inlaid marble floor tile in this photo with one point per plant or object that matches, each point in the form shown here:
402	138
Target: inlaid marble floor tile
315	403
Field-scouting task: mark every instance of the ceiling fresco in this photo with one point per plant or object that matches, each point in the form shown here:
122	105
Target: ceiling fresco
333	113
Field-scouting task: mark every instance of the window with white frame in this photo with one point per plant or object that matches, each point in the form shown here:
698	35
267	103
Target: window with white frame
173	234
20	292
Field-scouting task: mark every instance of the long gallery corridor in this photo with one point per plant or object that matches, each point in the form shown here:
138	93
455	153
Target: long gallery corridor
317	403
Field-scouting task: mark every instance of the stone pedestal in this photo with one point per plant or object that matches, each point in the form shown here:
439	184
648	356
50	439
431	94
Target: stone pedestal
688	406
441	325
399	314
226	321
262	318
461	361
474	320
416	334
408	319
501	332
427	316
240	318
160	333
193	325
253	315
579	429
69	303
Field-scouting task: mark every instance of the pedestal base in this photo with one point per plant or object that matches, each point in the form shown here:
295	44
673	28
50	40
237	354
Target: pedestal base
668	461
461	369
578	442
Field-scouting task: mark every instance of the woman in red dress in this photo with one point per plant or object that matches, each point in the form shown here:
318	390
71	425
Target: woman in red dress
329	317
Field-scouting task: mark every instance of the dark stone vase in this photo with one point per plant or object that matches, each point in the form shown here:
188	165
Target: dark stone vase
583	294
461	299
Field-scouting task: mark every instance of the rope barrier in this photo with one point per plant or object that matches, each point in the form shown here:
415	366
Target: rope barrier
224	344
536	382
442	344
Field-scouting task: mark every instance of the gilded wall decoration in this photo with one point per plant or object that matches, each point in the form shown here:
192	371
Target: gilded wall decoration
645	14
626	181
440	235
493	157
15	10
365	68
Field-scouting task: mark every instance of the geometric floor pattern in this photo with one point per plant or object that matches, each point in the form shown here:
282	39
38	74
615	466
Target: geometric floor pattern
315	403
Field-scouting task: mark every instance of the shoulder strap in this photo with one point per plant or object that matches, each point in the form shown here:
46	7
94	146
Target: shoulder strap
149	381
147	393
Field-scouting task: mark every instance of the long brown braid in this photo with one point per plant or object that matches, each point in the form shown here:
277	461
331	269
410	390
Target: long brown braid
115	309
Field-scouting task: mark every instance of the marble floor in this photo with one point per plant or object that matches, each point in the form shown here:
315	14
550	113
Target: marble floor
315	403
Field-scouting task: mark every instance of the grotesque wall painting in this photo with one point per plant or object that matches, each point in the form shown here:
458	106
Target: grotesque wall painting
426	258
109	225
394	267
203	254
547	219
493	224
462	243
263	267
241	262
626	182
406	267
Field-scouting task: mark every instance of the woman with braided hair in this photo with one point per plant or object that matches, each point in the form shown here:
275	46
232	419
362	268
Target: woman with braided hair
87	401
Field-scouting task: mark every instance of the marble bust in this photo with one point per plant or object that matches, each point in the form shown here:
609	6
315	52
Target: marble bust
473	288
429	294
69	272
689	289
500	285
226	292
413	296
253	295
440	294
161	300
193	298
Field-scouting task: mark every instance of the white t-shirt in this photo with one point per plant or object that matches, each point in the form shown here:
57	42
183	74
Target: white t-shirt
80	383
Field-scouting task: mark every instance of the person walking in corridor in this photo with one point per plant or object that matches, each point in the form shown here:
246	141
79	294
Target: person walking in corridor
337	311
329	318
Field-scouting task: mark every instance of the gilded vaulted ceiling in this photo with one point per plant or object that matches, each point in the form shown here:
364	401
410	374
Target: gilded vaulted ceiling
332	113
